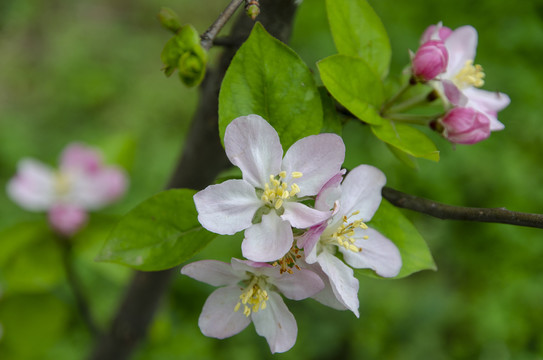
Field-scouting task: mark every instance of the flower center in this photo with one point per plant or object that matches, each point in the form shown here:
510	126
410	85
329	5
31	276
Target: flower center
253	298
343	236
288	261
277	190
63	184
469	75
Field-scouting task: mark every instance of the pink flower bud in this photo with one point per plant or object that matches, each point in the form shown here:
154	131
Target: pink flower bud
67	219
435	32
430	60
465	126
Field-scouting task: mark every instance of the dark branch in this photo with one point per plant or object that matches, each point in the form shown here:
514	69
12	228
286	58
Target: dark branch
202	159
211	33
450	212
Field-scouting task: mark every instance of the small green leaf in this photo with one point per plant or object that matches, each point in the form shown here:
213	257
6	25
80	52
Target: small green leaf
160	233
416	256
268	78
358	31
404	157
354	85
169	19
407	139
331	121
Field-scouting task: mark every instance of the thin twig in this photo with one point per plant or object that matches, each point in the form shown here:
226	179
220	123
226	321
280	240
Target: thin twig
75	285
210	34
450	212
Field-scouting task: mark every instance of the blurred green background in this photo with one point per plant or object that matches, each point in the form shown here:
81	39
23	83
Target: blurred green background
90	71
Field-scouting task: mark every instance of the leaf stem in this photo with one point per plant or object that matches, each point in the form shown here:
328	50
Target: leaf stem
413	118
396	96
408	104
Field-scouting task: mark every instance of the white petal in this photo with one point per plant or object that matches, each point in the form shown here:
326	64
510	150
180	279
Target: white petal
33	187
461	46
361	191
268	240
218	318
212	272
489	103
95	190
276	323
326	296
344	284
330	192
228	207
309	240
81	158
378	253
299	285
252	144
453	94
302	216
318	158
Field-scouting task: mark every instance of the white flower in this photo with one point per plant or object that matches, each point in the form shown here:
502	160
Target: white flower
358	199
265	203
250	293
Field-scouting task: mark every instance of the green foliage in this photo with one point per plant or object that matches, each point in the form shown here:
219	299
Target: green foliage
416	256
158	234
169	19
358	31
269	79
407	139
183	52
350	80
331	122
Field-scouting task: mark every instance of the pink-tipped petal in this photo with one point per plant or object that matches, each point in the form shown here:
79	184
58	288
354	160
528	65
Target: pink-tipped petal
309	239
299	285
344	284
461	46
302	216
277	324
252	144
361	191
82	158
453	94
318	158
94	191
490	103
228	207
218	318
66	219
330	192
268	240
378	253
33	187
212	272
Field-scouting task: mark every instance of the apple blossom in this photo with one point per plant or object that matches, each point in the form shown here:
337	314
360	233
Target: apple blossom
430	60
251	293
356	202
459	83
465	126
81	183
265	202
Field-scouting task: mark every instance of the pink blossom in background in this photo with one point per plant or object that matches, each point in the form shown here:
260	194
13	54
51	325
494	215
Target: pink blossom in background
250	292
81	183
465	126
270	188
430	60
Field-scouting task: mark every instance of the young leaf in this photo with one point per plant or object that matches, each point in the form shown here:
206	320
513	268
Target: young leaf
358	31
160	233
331	123
407	139
416	256
354	85
268	78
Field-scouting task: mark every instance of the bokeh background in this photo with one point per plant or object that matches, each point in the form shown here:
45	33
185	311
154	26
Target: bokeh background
90	71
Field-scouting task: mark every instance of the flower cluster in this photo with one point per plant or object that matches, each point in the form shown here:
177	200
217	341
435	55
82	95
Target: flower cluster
298	212
81	183
445	60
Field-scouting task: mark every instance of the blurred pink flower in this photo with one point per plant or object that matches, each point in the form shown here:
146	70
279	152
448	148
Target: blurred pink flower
81	183
430	60
251	293
465	126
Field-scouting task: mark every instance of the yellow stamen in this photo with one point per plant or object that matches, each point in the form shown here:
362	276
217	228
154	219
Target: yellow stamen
276	191
344	234
296	174
469	75
253	298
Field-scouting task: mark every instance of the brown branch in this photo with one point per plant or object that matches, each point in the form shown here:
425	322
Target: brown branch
450	212
202	159
210	34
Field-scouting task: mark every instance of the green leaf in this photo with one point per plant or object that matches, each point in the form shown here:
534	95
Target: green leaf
30	259
403	157
407	139
169	19
354	85
268	78
31	325
331	121
416	256
358	31
160	233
